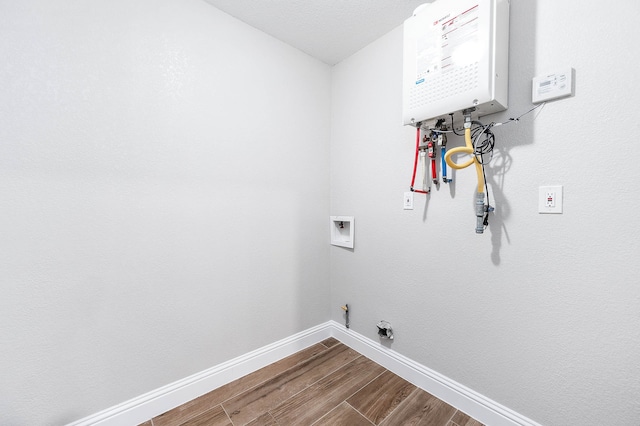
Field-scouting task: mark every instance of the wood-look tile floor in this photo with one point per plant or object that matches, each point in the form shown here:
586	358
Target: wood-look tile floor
325	384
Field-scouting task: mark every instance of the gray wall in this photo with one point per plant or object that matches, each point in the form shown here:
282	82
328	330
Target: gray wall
164	195
164	187
542	312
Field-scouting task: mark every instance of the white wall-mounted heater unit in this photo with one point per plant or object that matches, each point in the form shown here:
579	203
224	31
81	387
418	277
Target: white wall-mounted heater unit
455	58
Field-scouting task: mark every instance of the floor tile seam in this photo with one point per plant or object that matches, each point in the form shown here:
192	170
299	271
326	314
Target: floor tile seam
238	393
265	412
273	417
403	402
257	417
325	415
292	396
274	376
270	411
316	356
322	378
364	386
392	409
190	418
326	347
227	414
357	411
332	371
452	416
349	396
191	415
335	408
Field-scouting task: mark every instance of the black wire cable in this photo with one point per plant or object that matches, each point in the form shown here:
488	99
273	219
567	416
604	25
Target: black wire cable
488	207
483	141
521	115
453	129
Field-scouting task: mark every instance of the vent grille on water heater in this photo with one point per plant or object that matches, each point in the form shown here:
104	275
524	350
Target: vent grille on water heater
455	57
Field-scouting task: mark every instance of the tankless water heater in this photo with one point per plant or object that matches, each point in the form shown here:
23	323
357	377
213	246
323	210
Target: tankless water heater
455	58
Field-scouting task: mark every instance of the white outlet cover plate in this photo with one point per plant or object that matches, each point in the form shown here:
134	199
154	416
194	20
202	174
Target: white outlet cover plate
543	192
408	201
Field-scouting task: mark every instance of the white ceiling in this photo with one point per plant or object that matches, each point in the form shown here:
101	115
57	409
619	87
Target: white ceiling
329	30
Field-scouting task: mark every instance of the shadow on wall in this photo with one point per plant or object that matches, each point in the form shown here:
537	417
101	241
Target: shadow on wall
518	129
517	132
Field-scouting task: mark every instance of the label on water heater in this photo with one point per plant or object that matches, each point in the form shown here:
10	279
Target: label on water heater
451	42
455	57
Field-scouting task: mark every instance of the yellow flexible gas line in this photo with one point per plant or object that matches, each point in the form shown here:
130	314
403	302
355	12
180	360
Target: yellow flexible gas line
480	207
468	149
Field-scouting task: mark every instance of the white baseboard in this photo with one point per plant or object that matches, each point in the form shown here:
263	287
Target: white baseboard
464	399
149	405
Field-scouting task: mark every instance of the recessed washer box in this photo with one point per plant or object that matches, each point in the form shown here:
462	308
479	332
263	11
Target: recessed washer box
342	231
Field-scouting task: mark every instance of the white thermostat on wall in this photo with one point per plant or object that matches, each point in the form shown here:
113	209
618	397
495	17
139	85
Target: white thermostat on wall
554	85
455	58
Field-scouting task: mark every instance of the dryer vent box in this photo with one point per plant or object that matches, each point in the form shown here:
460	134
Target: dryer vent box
455	58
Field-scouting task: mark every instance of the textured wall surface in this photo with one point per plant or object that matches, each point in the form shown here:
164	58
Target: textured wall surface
164	193
542	312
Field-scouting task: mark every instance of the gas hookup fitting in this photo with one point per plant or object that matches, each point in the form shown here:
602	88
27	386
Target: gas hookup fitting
345	308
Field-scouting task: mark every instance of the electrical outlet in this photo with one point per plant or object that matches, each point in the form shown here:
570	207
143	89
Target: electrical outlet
408	200
550	199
